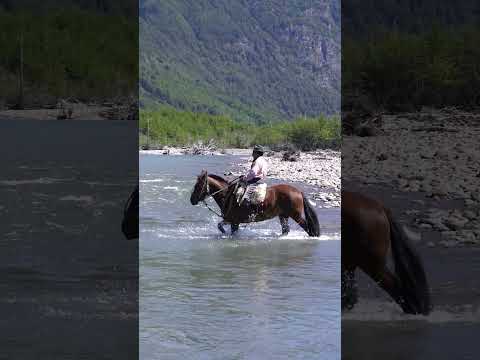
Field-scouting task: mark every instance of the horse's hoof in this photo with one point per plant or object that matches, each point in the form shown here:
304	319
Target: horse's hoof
348	304
220	227
348	307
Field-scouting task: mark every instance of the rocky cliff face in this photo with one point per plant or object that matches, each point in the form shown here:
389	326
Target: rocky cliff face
254	60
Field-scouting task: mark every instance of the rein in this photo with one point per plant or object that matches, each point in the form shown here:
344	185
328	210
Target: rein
216	192
213	211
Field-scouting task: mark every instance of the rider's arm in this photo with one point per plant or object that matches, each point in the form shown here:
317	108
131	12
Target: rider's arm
254	172
250	175
263	166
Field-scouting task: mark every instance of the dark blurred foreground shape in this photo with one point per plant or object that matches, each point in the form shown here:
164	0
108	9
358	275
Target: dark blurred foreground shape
130	220
69	284
410	126
369	233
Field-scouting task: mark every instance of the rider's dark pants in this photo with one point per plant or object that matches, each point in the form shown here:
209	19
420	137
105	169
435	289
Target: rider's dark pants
252	181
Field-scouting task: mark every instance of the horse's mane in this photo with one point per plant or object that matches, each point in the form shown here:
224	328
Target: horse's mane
217	177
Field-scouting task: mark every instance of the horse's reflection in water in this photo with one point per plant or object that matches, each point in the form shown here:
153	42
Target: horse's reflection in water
368	232
257	260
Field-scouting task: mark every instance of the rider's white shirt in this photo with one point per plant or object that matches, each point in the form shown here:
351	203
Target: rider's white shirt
258	170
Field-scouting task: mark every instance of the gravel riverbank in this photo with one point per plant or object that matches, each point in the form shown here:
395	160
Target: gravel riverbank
319	169
433	155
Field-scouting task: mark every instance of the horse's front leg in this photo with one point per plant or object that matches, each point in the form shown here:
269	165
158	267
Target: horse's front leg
220	226
349	289
284	223
234	228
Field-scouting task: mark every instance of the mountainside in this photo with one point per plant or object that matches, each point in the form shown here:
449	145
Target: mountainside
250	59
361	17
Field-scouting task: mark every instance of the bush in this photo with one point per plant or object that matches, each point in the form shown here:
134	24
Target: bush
310	134
403	71
167	126
68	53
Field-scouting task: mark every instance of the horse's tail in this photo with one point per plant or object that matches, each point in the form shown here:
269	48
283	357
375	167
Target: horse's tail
409	269
313	227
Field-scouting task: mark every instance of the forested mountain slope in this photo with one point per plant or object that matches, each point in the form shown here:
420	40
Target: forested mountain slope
249	59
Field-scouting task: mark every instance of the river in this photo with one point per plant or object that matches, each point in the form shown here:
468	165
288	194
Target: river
254	295
69	278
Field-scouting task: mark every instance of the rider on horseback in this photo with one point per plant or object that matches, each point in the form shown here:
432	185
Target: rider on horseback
258	169
256	173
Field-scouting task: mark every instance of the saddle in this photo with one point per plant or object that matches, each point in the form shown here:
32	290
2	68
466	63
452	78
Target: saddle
252	197
254	194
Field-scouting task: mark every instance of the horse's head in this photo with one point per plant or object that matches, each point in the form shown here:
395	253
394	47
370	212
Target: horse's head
200	190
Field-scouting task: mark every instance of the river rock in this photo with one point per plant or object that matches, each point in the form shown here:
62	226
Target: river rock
408	150
320	169
455	222
466	237
448	243
291	156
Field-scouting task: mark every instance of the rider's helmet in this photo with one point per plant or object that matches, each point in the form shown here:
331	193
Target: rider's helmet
258	149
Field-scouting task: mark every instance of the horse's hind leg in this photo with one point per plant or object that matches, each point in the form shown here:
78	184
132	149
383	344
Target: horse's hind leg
300	221
392	286
390	283
349	289
285	226
234	228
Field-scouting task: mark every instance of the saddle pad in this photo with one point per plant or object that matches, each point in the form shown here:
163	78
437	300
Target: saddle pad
255	194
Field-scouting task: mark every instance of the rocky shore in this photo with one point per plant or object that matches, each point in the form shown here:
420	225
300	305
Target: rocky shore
67	110
319	169
433	154
200	148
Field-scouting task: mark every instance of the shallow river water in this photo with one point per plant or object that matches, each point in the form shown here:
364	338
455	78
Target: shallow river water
254	295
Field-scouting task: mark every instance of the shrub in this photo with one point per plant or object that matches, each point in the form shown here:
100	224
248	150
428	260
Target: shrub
167	126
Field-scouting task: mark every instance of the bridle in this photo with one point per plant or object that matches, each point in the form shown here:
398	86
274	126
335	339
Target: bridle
207	186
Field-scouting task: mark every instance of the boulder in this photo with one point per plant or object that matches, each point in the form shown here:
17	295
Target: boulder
291	156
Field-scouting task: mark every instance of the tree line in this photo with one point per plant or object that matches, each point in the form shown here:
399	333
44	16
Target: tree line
401	71
168	126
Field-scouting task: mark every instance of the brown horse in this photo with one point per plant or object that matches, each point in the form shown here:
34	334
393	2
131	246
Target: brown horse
368	232
283	201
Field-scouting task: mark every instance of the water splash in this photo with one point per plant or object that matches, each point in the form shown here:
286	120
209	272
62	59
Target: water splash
387	311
